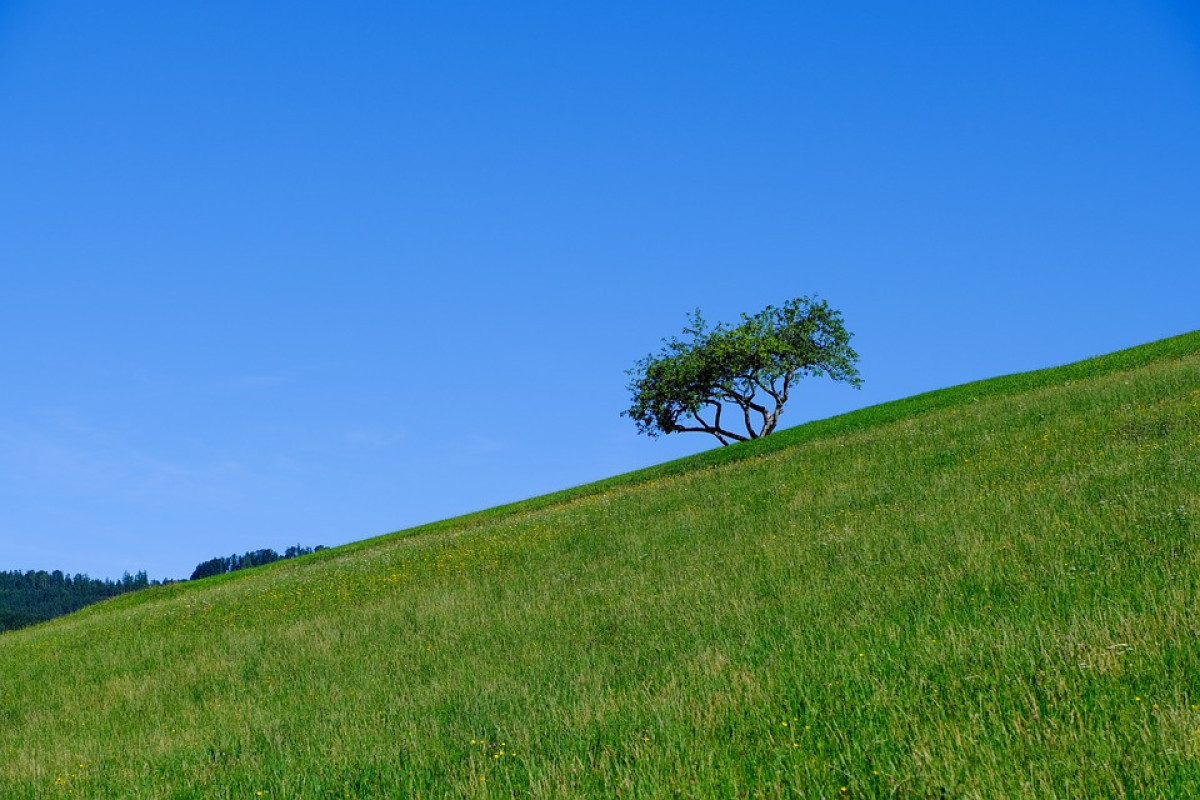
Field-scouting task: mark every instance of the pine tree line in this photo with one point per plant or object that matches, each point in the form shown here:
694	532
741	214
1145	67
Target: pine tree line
27	598
254	558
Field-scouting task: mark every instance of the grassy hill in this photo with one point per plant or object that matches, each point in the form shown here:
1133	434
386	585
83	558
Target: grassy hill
987	591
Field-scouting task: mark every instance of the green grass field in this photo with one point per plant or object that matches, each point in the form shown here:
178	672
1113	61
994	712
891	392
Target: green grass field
991	591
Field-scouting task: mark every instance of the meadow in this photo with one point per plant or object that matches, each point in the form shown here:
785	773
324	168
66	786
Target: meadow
988	591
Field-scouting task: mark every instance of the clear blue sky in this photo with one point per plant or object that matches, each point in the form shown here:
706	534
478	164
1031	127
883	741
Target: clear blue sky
300	272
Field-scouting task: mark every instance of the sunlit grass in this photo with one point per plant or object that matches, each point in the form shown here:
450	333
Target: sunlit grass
987	592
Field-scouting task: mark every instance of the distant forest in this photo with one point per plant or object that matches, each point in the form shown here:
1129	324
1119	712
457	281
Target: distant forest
27	598
256	558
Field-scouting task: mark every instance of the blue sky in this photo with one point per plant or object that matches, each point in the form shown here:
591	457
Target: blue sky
298	272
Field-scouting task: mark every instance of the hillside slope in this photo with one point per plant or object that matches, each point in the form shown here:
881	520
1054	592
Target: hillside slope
989	591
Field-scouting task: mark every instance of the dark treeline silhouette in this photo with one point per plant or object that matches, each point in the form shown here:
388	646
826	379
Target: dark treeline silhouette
255	558
27	598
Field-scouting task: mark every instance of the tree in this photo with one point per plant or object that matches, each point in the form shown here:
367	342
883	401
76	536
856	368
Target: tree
255	558
746	370
27	598
206	569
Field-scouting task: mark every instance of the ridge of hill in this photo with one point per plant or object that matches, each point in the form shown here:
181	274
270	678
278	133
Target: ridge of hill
986	591
1179	346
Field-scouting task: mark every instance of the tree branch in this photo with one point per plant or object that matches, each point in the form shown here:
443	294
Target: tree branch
717	432
770	422
717	422
745	402
715	429
769	389
742	400
772	419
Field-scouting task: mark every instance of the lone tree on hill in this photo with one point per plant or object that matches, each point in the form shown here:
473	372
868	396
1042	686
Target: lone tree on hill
746	370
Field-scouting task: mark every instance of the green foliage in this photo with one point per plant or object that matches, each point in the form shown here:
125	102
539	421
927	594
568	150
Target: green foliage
746	370
985	591
255	558
27	598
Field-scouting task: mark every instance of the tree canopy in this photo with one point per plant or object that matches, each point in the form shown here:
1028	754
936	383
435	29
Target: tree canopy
744	371
27	598
255	558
